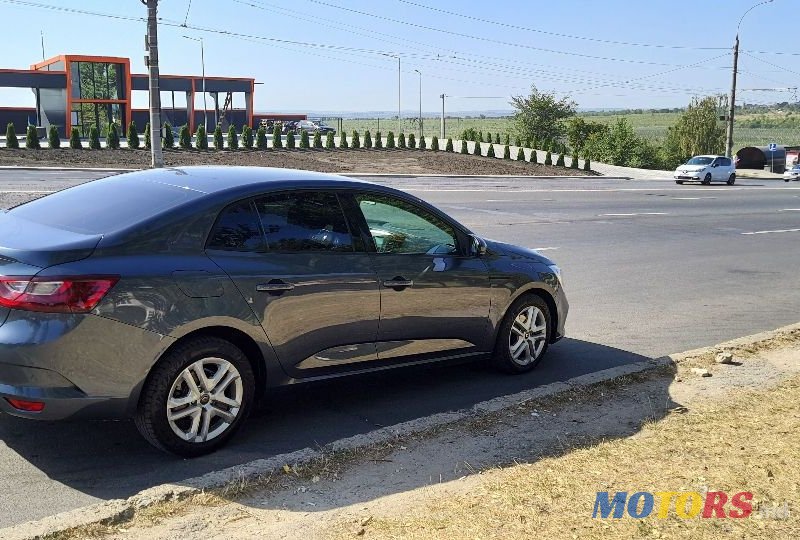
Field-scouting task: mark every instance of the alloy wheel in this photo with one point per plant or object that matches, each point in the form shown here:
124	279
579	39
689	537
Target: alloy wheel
205	400
528	335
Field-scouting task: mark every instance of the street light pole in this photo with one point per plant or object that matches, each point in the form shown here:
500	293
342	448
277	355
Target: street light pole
157	159
399	118
203	67
420	103
732	104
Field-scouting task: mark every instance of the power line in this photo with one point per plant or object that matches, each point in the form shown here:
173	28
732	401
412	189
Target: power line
485	39
186	19
557	34
771	64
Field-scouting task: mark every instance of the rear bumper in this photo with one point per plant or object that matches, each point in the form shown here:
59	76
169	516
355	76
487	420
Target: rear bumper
77	365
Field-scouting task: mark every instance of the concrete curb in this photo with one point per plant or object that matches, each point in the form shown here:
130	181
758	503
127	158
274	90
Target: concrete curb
75	169
119	510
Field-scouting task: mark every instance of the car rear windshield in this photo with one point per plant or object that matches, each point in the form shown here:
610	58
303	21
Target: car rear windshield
104	206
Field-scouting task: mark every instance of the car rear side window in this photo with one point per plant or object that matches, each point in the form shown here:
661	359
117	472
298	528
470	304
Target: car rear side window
304	221
237	229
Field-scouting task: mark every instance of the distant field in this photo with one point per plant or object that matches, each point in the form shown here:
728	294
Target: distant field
652	126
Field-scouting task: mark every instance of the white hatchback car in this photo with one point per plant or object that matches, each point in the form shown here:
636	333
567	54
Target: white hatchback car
706	169
792	174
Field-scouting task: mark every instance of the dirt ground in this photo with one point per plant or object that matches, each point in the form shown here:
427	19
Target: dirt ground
533	472
331	161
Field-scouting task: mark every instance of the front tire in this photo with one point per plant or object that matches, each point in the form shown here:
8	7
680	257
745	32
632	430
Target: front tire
731	179
524	335
196	397
707	179
679	182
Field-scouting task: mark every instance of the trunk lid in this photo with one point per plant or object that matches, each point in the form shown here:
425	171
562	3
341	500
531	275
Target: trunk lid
34	244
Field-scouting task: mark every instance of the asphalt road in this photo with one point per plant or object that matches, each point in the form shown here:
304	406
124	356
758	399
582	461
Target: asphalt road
650	268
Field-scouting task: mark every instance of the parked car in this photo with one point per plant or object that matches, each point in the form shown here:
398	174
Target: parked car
179	296
288	126
792	174
707	169
313	127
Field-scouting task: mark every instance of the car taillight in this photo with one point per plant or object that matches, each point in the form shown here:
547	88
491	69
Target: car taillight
54	294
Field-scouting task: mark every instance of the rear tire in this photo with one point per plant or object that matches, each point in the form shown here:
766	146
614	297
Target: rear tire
524	335
731	179
679	182
196	398
707	179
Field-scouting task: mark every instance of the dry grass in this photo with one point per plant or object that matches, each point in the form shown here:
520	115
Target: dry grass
746	443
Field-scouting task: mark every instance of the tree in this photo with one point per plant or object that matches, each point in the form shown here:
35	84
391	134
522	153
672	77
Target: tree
133	136
574	164
219	143
435	143
464	147
343	140
112	136
587	163
506	152
448	147
697	131
496	138
390	140
356	140
185	138
169	138
422	144
517	141
542	115
401	140
11	136
579	130
247	137
148	143
290	142
53	139
233	140
412	141
329	141
476	150
317	139
489	137
277	142
490	151
261	138
507	140
548	158
378	140
560	162
201	138
75	139
534	157
94	138
480	136
520	154
304	142
367	140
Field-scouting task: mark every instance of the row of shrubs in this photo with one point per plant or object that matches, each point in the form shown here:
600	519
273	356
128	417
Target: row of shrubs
248	141
471	134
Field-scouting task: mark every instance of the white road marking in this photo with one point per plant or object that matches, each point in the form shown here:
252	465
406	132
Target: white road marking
770	232
23	191
690	198
545	249
791	210
636	214
485	190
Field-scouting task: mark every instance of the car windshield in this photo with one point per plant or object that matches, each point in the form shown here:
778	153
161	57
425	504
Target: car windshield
796	167
700	160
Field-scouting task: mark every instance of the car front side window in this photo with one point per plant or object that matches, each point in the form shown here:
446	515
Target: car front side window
237	229
399	227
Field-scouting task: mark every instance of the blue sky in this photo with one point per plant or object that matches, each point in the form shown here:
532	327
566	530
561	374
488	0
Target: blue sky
476	59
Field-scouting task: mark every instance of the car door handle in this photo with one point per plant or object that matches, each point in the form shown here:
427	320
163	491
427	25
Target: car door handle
275	286
398	283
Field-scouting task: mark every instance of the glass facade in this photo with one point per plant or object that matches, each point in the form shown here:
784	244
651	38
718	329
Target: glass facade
86	115
97	80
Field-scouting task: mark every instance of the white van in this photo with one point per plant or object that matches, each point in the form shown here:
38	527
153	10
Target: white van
706	169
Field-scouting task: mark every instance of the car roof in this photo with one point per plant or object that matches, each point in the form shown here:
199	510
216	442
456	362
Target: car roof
208	180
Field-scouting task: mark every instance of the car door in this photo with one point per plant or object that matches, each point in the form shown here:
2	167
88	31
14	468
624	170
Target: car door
434	293
307	278
717	170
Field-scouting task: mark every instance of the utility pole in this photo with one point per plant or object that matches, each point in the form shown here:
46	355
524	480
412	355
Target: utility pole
155	90
442	126
420	103
732	104
399	118
203	67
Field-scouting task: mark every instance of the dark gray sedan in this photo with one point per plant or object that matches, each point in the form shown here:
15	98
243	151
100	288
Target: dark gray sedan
179	296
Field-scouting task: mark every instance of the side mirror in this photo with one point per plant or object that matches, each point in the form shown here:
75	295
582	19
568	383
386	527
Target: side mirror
479	247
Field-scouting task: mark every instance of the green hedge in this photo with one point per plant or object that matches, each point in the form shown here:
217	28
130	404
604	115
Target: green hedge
261	138
304	142
148	142
75	139
367	140
247	137
343	140
133	136
390	140
435	143
290	142
329	140
201	138
185	138
449	146
94	138
490	151
53	139
378	140
11	136
317	140
169	139
219	143
112	136
277	141
356	140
